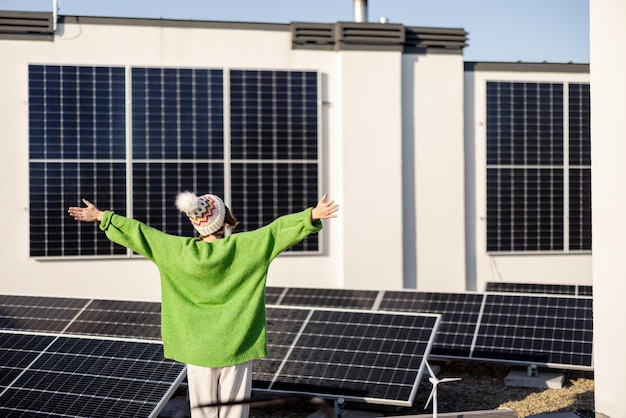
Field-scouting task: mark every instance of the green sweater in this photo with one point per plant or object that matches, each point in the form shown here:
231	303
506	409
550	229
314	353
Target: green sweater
213	293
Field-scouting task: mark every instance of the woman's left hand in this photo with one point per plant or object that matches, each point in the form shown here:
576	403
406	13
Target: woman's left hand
325	209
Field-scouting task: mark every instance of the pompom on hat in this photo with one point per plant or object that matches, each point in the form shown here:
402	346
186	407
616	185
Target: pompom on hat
205	212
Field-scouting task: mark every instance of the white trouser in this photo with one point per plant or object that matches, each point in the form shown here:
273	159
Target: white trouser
220	384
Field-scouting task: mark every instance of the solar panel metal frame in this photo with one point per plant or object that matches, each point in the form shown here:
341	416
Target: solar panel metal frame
284	348
53	319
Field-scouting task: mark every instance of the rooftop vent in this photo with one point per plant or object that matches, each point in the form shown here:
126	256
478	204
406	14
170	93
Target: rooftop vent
444	38
26	25
312	35
372	34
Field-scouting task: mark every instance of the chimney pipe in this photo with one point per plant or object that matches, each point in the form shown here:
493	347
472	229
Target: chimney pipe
360	10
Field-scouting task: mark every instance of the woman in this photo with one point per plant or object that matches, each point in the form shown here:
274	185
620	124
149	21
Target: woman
212	290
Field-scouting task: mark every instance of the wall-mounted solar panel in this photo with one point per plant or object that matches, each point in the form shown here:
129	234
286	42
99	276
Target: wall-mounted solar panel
115	367
274	146
77	137
368	356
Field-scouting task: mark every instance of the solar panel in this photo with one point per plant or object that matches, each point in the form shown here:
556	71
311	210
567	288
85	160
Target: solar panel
116	368
459	316
77	142
357	355
550	330
274	146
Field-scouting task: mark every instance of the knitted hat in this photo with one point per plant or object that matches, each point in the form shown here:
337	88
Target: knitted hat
206	212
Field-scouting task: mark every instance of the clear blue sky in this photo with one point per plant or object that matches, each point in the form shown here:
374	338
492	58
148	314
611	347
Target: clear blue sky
499	30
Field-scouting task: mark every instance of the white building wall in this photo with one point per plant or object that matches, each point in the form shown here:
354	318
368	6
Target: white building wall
608	153
573	268
371	136
436	201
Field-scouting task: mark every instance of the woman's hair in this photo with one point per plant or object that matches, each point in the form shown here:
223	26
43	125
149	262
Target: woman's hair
229	221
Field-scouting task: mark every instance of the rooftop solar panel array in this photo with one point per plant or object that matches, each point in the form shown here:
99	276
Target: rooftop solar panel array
83	358
104	358
91	357
554	330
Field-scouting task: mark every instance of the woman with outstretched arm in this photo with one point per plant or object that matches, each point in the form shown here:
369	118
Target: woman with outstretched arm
212	290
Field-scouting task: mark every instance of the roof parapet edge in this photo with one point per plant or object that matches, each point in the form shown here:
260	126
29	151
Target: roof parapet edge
174	23
520	66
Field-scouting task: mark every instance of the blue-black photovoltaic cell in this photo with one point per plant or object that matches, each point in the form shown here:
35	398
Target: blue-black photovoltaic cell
178	113
459	316
360	355
76	112
548	330
54	186
274	115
